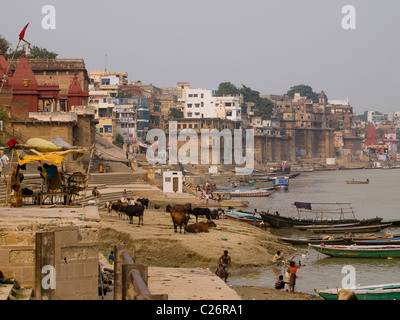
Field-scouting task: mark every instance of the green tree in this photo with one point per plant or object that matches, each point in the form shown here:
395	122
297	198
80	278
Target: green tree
5	45
227	88
36	52
305	91
265	106
175	113
3	114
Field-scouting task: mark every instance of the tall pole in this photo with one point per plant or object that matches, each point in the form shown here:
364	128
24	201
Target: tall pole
9	66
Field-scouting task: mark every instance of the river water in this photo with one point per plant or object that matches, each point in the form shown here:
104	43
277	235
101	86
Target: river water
381	197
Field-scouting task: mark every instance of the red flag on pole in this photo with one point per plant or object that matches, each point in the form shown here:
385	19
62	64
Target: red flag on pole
22	34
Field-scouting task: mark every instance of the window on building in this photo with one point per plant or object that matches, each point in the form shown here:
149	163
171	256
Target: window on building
228	104
189	114
184	126
197	105
189	105
202	95
229	114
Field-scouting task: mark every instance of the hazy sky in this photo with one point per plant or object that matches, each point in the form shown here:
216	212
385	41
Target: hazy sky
266	45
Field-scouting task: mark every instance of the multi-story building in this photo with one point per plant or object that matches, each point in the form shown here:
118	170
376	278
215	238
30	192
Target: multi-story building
202	103
133	117
109	81
104	110
126	122
376	117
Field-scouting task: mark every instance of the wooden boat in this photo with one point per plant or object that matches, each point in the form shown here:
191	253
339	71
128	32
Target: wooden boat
394	222
304	170
225	189
380	242
325	226
357	182
318	214
313	240
281	183
390	291
355	251
357	228
350	238
242	216
264	192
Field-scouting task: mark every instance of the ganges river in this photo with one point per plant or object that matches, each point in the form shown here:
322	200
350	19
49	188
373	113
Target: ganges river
381	197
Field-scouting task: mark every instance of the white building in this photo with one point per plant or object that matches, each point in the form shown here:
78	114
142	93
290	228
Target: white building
343	102
202	103
375	117
172	181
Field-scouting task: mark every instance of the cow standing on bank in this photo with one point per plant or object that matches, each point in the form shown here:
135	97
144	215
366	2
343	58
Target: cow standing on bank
135	210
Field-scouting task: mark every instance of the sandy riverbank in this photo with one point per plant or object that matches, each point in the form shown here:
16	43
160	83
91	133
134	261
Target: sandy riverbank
157	245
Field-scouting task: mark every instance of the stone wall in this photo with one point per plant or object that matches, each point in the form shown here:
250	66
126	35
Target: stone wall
73	251
45	130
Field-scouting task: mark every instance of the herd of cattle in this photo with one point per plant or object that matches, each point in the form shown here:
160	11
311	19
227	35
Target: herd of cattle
180	214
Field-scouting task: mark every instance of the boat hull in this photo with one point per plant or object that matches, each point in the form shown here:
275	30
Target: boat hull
306	241
375	292
287	222
356	182
382	252
255	193
381	242
354	229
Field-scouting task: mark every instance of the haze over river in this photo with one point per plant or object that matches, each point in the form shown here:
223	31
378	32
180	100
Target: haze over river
381	197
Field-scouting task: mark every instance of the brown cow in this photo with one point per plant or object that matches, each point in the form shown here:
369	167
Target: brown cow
116	206
182	208
179	219
345	294
200	226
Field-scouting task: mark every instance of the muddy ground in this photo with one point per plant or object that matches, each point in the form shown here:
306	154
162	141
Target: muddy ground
157	244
